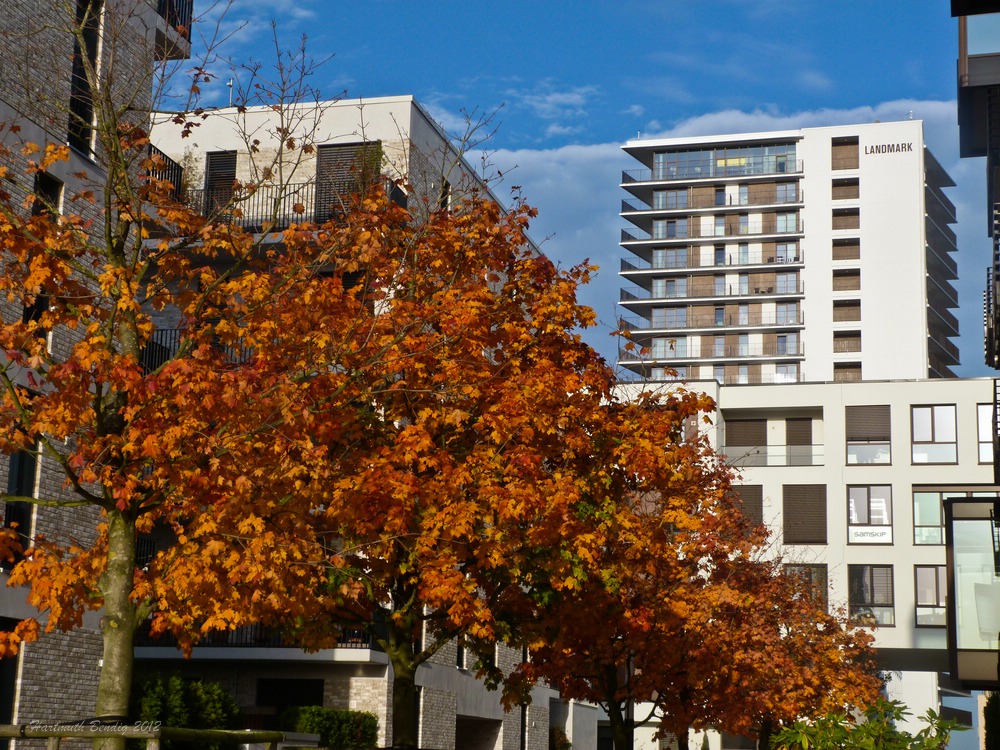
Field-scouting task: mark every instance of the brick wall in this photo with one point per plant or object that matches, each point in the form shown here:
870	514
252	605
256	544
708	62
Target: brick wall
437	720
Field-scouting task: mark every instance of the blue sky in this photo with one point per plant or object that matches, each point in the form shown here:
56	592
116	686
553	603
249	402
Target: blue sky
571	82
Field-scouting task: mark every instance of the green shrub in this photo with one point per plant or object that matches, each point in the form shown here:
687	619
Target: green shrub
337	730
192	704
558	739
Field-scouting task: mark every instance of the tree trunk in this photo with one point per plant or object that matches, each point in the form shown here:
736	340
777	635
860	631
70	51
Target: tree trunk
683	740
622	727
405	717
764	735
117	624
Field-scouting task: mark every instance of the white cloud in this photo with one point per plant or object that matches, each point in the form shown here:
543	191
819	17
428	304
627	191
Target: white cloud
636	109
575	189
551	104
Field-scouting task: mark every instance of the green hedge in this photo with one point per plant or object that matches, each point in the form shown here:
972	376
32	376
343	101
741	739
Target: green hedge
193	704
337	730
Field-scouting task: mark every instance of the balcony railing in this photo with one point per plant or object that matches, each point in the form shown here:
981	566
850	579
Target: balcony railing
698	202
259	636
731	229
758	258
729	351
178	14
729	320
774	455
705	170
165	342
170	171
711	290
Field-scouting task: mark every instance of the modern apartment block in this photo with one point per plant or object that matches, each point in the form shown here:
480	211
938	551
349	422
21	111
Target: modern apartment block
47	98
979	133
352	140
820	254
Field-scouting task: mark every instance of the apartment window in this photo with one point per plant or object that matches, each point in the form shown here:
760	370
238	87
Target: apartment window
984	414
85	63
669	348
868	434
788	343
670	317
785	252
719	346
743	314
804	513
719	229
663	199
787	373
742	374
787	283
660	165
744	224
20	483
664	373
786	222
751	501
870	595
934	434
786	313
220	174
869	514
799	441
659	229
847	249
744	283
931	583
743	342
675	229
461	654
719	286
719	373
720	195
676	288
48	194
785	192
670	257
720	255
720	316
928	518
743	249
815	581
744	191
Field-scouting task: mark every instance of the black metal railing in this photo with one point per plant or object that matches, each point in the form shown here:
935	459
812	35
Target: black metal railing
260	636
178	14
170	171
165	342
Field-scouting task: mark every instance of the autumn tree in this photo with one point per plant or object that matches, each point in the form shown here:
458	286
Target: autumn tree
695	628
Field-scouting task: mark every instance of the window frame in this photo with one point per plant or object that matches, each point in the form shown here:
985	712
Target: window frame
987	444
865	531
936	432
854	607
941	590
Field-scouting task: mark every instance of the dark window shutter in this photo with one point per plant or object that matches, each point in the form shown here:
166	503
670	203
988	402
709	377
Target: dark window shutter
746	432
804	513
798	431
868	423
220	174
751	498
344	169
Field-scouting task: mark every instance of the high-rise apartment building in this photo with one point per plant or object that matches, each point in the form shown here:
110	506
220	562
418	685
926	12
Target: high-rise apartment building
819	254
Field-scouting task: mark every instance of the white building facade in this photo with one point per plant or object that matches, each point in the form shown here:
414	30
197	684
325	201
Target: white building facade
779	257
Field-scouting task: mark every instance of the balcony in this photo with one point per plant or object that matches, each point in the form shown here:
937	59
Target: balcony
633	263
173	28
166	169
712	322
165	342
711	291
708	169
732	228
258	636
692	202
774	455
733	352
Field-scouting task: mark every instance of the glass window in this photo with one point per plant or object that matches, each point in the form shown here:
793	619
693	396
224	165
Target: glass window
659	200
720	226
719	373
786	373
815	581
744	224
720	196
676	198
676	229
659	229
785	252
744	194
743	375
786	222
934	434
785	192
720	316
719	346
719	286
675	288
931	583
744	283
744	345
984	413
788	343
670	257
720	255
787	283
870	595
744	315
869	514
744	251
670	317
669	348
868	434
785	313
928	518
